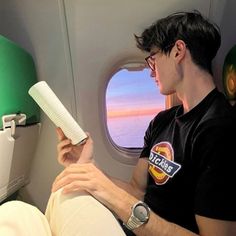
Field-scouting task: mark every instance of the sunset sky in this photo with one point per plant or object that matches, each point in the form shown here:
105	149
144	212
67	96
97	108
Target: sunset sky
133	93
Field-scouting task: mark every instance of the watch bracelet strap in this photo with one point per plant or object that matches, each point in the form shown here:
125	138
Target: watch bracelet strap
133	223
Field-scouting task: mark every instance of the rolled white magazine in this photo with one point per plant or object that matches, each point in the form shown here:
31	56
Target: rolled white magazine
56	111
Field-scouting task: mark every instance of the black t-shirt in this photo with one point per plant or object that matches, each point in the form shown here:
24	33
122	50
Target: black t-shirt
192	160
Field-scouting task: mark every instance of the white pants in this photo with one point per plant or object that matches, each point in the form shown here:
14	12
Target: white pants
66	215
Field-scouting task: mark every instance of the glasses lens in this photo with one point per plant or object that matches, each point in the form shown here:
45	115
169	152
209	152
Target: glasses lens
150	62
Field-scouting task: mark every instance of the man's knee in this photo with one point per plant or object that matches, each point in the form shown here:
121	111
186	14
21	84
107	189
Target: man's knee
80	214
19	218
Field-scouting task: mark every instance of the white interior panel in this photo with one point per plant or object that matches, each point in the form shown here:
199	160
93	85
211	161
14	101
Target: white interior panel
39	27
17	152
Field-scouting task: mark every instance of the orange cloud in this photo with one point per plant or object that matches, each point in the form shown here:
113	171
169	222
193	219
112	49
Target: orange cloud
122	113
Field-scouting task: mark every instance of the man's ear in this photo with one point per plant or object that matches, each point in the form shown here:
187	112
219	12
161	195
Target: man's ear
180	50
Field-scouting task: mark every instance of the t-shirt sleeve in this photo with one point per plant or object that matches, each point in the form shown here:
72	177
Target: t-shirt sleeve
157	123
215	157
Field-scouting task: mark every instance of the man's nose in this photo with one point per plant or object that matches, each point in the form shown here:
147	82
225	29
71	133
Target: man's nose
153	73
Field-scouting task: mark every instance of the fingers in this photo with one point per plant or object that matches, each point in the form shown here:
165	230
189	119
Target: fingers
69	153
72	187
63	147
89	141
60	134
63	144
71	176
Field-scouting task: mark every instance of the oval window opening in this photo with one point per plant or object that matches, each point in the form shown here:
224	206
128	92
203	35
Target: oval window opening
132	101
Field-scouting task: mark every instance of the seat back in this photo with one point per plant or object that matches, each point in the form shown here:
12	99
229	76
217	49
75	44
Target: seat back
17	75
229	75
19	117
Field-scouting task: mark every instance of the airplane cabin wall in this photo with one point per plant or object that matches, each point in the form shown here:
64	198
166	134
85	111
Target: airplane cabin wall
77	46
39	27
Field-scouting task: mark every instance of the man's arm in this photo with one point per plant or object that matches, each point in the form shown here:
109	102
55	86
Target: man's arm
138	182
120	197
208	226
88	177
158	226
69	154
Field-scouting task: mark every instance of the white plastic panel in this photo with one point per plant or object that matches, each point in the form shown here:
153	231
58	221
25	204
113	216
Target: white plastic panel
39	27
16	154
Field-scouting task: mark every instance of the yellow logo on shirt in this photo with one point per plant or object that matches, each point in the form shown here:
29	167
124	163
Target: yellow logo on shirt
161	163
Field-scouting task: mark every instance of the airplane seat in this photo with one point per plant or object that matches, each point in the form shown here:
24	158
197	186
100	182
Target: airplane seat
19	117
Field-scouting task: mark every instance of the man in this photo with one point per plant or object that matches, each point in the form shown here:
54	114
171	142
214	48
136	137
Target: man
185	171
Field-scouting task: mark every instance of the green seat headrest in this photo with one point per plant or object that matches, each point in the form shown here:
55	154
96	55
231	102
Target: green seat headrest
17	75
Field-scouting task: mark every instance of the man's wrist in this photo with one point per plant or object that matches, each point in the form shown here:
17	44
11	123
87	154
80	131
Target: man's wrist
140	213
81	161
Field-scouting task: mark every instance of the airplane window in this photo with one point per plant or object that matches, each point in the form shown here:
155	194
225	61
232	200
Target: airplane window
132	100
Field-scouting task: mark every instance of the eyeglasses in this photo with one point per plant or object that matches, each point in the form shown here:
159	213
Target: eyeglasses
151	60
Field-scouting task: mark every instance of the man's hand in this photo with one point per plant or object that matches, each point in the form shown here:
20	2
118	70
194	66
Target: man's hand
87	177
69	153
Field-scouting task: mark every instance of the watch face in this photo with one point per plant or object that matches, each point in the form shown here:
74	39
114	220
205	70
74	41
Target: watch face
141	213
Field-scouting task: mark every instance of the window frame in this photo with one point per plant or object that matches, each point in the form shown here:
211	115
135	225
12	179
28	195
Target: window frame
129	153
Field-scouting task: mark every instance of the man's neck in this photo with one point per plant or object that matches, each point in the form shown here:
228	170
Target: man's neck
195	87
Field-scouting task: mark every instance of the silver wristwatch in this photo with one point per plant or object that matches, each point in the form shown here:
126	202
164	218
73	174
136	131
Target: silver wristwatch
139	215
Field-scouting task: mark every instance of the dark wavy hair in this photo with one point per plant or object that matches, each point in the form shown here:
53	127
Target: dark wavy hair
201	36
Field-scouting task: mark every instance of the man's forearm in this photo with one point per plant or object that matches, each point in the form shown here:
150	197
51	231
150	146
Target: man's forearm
138	183
130	188
156	225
